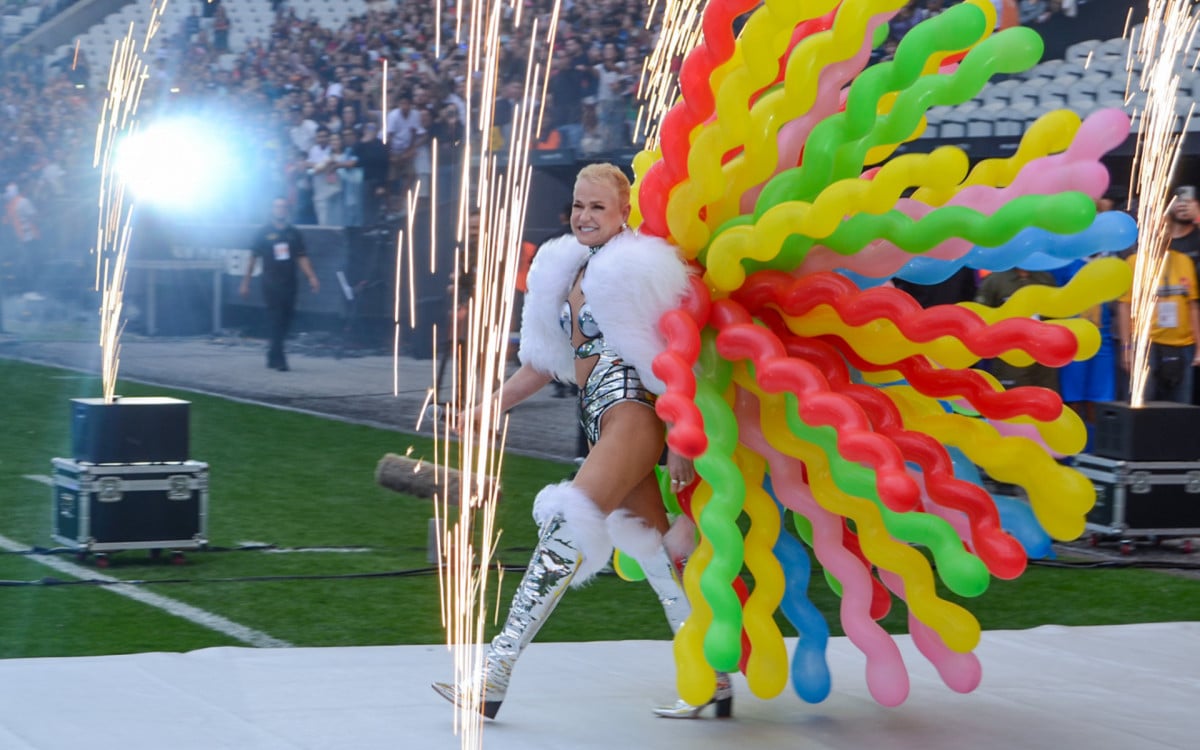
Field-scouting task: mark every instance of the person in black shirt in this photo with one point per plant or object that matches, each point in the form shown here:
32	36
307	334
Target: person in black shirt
1182	214
373	159
1181	223
281	250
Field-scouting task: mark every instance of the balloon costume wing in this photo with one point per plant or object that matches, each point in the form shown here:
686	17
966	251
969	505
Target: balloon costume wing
812	398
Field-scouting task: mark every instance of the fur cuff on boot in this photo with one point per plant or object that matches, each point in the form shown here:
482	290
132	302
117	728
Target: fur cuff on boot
632	536
585	524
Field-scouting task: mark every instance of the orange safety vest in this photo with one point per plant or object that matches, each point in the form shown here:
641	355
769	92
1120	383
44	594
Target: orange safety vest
12	217
528	250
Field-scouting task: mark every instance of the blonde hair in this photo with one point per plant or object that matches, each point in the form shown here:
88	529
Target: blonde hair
609	174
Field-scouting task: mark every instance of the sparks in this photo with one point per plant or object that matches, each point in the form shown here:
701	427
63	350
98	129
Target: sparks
127	75
1166	35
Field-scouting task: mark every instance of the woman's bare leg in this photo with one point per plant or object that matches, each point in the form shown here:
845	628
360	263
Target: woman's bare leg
619	470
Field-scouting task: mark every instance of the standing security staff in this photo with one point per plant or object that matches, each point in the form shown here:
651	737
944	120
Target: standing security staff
281	250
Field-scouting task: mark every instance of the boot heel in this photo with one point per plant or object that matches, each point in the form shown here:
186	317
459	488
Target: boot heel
725	708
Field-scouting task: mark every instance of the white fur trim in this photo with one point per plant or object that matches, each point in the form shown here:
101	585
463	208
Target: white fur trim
585	524
544	346
630	283
680	539
631	535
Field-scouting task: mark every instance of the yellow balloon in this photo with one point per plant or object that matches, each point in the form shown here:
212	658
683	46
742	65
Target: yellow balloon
762	43
805	68
767	664
695	680
957	627
1066	435
1099	281
1060	496
1049	134
763	240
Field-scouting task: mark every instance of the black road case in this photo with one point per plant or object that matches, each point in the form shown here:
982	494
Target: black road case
1143	498
106	507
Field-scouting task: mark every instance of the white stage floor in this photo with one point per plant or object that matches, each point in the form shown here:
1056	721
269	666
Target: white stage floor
1133	687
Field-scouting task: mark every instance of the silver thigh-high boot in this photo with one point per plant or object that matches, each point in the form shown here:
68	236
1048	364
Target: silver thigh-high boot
648	547
572	547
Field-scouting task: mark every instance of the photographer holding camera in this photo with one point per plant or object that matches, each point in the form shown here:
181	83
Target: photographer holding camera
1173	352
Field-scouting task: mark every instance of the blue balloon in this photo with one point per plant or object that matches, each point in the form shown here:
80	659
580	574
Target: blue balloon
810	671
862	282
1016	517
964	468
1111	231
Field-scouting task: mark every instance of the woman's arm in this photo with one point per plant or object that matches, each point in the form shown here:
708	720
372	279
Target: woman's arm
522	384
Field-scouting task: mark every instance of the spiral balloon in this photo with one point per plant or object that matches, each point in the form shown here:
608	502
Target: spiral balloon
828	413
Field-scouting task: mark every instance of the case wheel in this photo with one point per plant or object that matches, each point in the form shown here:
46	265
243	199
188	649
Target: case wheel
1126	548
102	561
1186	547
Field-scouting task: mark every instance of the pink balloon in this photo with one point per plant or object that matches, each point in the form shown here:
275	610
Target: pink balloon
830	96
1009	429
956	518
1076	169
960	672
887	677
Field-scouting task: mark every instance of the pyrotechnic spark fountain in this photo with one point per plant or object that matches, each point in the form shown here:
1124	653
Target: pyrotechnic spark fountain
126	77
657	87
1165	36
498	201
468	535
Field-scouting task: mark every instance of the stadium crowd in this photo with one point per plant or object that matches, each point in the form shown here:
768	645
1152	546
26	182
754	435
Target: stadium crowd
306	103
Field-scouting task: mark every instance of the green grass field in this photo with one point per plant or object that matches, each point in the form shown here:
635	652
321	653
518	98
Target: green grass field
293	481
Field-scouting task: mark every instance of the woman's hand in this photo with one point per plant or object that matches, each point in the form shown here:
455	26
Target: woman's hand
468	416
681	471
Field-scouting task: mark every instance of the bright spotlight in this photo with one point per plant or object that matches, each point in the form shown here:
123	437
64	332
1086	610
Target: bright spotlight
178	164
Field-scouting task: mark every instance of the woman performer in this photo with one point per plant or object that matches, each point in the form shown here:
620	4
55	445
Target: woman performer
591	316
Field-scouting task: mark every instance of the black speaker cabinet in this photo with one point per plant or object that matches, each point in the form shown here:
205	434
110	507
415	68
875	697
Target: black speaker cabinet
1157	431
144	429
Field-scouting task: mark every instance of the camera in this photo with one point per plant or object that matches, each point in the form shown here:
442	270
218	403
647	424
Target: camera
1186	192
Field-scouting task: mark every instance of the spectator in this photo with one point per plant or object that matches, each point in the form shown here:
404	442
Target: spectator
21	219
611	83
592	139
326	185
994	291
506	109
423	155
221	30
403	127
303	131
1172	331
1181	223
372	158
450	134
351	177
191	27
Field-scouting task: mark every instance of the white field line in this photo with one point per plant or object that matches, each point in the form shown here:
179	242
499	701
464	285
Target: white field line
40	479
203	618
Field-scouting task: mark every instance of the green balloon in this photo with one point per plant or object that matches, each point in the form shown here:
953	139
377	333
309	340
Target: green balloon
718	523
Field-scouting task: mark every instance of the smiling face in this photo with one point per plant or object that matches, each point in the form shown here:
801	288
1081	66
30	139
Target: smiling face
598	213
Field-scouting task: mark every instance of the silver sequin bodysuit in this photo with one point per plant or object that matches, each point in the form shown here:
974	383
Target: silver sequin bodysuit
610	381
